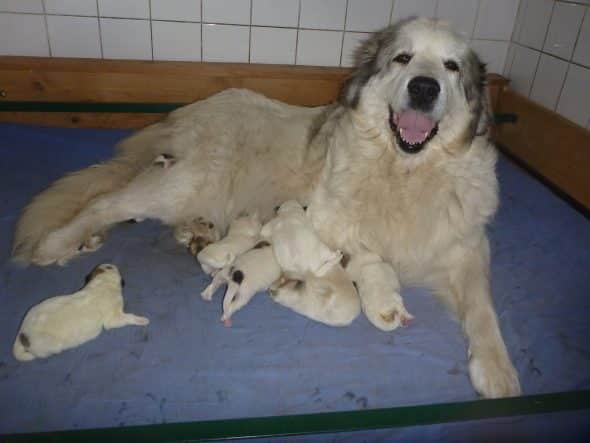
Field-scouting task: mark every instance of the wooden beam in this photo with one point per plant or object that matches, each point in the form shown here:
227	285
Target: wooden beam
552	146
89	80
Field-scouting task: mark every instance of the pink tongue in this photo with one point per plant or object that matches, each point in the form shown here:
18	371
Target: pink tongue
414	127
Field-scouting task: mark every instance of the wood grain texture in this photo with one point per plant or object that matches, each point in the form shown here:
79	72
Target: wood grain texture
549	144
84	80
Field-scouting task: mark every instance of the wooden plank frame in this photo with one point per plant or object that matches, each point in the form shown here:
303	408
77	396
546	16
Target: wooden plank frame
31	79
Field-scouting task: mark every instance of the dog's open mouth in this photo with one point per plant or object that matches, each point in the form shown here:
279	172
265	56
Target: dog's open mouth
412	129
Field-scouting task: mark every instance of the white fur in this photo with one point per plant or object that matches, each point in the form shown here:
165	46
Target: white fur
424	214
381	300
297	247
242	236
67	321
330	298
259	269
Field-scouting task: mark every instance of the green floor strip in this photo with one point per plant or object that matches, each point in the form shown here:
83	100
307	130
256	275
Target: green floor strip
322	422
147	108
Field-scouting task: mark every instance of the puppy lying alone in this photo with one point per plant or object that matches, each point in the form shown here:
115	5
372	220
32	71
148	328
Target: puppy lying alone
242	236
297	247
67	321
250	273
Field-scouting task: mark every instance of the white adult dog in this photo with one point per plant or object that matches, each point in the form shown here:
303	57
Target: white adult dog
402	166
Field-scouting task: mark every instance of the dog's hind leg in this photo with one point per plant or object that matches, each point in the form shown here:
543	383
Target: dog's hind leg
152	194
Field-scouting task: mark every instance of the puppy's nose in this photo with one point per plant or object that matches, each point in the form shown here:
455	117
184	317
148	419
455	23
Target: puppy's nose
423	91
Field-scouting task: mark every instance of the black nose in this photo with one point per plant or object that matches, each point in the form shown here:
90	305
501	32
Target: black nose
423	91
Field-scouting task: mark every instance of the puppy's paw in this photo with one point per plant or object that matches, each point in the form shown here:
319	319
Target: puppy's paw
196	234
388	317
93	243
493	376
165	161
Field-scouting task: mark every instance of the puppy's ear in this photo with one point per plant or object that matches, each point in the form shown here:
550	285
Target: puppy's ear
365	57
476	93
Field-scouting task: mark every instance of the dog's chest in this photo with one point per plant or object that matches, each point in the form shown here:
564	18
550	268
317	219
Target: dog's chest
404	217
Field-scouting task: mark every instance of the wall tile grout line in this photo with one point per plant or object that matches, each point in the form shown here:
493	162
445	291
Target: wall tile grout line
567	71
249	34
297	33
99	32
151	29
46	29
201	5
541	52
391	12
343	33
477	9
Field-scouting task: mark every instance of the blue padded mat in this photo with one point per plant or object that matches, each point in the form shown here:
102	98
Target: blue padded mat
186	366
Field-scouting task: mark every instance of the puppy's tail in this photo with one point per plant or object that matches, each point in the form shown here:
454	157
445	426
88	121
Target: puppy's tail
65	198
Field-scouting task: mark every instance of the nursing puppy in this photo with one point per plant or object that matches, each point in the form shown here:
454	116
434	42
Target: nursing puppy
250	273
401	166
67	321
330	298
381	301
242	236
298	249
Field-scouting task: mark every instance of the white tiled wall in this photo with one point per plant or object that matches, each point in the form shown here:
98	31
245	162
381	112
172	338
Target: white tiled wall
549	56
542	45
315	32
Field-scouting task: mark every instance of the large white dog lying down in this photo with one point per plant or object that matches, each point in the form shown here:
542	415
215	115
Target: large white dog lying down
402	167
67	321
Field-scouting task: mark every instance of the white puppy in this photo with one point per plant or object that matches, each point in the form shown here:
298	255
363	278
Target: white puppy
250	273
379	290
67	321
330	299
242	236
297	247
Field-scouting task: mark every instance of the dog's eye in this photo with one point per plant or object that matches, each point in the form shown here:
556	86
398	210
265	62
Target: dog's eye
451	65
403	58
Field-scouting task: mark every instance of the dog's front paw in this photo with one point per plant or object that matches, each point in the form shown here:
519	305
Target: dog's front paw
493	376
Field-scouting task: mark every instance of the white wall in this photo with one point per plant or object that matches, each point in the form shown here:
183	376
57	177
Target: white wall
303	32
549	58
543	46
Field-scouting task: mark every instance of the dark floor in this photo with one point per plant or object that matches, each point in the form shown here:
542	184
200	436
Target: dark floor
186	366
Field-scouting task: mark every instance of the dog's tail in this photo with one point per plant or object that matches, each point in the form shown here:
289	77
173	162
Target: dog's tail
65	198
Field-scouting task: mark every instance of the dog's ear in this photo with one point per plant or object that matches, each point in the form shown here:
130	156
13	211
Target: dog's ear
476	93
365	58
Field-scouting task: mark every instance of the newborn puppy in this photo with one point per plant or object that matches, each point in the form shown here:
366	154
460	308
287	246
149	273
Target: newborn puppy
242	236
251	272
330	299
378	287
67	321
297	247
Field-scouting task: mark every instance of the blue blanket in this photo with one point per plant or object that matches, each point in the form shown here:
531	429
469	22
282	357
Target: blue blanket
186	366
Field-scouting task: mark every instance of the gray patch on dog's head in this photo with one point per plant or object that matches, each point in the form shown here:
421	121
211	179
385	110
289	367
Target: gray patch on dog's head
237	276
370	57
261	244
473	78
24	340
